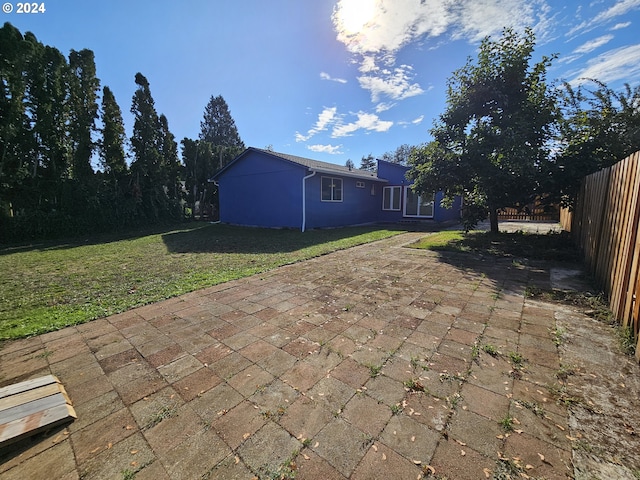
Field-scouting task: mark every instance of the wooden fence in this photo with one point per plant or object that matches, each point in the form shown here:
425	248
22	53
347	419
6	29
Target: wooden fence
604	225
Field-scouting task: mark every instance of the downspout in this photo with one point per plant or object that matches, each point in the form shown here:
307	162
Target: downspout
304	200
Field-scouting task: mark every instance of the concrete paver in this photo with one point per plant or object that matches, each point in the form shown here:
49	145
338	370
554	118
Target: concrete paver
373	362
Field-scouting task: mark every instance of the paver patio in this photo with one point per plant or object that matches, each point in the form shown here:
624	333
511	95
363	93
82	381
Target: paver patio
366	363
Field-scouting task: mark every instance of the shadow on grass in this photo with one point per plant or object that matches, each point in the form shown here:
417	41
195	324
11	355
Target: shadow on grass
241	240
520	259
555	247
98	238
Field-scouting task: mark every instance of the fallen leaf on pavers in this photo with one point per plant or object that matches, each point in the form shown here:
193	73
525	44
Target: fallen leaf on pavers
413	438
384	457
528	467
237	460
429	468
462	453
518	431
629	429
461	443
133	452
306	457
560	427
501	457
417	462
487	472
223	412
316	445
375	447
246	435
129	427
570	438
516	421
95	450
109	445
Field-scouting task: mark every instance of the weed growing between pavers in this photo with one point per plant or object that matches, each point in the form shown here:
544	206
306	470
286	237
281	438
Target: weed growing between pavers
162	414
506	423
533	407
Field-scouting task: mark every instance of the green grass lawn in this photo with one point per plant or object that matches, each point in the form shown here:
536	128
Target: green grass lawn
47	287
551	246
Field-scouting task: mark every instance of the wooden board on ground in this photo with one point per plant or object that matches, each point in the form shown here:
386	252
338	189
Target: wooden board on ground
29	407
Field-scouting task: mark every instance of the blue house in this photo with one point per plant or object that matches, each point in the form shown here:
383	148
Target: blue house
268	189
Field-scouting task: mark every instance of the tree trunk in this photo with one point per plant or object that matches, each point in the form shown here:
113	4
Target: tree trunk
493	220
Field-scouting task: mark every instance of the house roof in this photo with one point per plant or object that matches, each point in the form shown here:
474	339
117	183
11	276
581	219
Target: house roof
314	165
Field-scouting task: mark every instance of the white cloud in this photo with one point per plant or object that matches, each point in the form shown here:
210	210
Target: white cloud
395	84
618	64
620	8
415	121
591	45
619	26
326	76
377	33
365	121
383	107
326	117
330	149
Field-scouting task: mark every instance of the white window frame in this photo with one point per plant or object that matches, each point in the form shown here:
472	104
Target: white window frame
391	190
333	189
419	200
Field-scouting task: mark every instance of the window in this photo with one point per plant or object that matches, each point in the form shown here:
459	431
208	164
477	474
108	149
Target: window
359	184
418	205
331	189
391	198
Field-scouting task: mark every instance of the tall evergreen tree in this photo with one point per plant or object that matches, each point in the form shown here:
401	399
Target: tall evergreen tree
219	129
146	164
14	129
111	145
83	111
368	163
170	162
47	104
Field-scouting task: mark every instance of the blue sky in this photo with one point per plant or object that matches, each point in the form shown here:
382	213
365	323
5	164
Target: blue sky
325	79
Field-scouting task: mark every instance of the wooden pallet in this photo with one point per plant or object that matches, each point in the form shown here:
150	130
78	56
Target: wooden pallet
29	407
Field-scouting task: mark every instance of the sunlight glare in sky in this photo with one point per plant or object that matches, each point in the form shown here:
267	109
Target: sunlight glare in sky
353	15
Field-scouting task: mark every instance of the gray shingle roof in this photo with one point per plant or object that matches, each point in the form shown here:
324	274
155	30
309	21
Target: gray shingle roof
323	167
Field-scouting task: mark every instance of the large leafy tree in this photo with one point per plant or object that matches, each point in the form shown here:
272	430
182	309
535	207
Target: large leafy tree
400	155
599	127
494	137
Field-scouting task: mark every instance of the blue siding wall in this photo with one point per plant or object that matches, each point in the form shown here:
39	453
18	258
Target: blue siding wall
262	191
259	189
358	205
396	175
